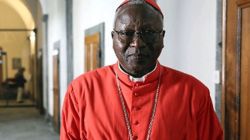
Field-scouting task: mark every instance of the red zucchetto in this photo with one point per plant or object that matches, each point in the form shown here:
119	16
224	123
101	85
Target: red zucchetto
150	2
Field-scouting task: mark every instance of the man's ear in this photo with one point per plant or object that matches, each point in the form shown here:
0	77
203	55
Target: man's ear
163	33
112	34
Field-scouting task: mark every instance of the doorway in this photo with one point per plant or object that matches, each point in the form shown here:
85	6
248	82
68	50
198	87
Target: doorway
17	53
236	69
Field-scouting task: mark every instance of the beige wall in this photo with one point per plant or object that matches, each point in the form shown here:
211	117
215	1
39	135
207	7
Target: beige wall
17	45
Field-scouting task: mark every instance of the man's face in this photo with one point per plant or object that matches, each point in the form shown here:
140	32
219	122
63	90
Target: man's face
137	38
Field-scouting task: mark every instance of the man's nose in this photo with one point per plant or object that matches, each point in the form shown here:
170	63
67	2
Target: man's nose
137	40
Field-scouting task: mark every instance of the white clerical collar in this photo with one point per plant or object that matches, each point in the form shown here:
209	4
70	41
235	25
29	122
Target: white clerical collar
134	79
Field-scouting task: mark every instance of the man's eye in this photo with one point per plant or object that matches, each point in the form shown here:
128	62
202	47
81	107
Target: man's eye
148	32
127	33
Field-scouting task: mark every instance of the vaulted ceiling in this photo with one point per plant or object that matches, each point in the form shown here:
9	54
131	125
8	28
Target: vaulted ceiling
17	18
15	14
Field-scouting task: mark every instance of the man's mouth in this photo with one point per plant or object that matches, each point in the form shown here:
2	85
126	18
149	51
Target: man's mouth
138	56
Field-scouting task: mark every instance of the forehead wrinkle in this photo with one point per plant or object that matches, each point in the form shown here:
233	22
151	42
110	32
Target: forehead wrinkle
126	18
126	21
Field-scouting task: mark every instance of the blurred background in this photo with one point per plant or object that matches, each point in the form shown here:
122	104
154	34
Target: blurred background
57	40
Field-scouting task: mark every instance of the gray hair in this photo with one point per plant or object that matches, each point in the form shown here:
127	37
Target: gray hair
137	1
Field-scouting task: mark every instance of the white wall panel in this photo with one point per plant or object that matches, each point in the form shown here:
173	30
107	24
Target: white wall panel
190	34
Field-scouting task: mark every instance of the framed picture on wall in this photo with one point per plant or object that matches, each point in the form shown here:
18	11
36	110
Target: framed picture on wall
16	63
94	47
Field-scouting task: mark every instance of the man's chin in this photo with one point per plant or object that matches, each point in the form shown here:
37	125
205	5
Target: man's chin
138	70
138	63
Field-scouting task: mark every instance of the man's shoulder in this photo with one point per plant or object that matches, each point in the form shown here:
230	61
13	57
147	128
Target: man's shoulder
97	74
183	78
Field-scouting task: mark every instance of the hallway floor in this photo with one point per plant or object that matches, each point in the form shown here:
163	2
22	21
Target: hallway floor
25	124
13	103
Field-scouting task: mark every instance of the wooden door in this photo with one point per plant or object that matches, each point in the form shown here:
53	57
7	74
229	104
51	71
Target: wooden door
245	75
236	70
56	110
1	67
92	52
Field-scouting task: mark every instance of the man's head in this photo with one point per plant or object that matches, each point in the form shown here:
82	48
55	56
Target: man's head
21	69
138	36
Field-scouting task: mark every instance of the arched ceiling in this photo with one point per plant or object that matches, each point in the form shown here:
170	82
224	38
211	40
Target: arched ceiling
14	14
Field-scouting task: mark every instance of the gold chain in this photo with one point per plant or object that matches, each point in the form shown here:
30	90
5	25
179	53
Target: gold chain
125	113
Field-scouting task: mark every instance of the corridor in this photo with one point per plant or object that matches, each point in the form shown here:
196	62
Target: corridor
55	41
25	124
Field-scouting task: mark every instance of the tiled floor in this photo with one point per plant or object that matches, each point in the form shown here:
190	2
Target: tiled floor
24	124
14	103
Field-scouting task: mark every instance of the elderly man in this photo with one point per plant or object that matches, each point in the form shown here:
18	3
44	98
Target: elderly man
138	98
